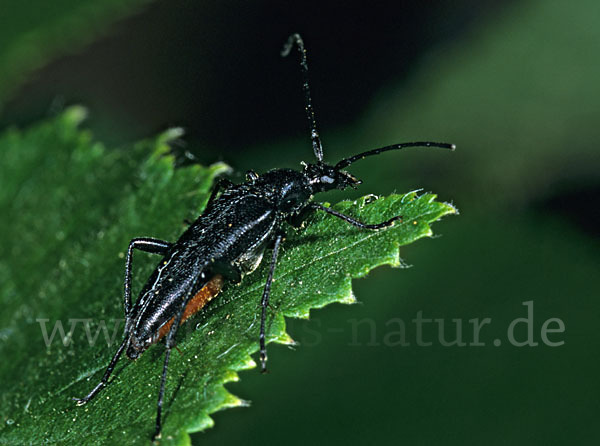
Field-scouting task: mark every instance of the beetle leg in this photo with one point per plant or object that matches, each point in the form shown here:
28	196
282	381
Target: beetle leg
107	373
251	175
265	303
227	270
170	344
150	245
299	220
354	222
146	244
220	186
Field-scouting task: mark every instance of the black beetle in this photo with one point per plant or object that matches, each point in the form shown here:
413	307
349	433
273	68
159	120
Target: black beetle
228	241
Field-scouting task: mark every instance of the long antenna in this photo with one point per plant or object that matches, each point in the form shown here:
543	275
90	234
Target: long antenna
310	114
347	161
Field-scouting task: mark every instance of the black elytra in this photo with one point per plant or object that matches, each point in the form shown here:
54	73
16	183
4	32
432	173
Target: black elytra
227	242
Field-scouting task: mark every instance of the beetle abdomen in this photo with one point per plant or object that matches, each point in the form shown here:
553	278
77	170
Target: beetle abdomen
202	297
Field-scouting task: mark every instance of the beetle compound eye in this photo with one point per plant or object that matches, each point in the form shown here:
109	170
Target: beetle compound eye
326	179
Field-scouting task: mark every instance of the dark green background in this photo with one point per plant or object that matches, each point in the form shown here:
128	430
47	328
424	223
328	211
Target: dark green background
513	84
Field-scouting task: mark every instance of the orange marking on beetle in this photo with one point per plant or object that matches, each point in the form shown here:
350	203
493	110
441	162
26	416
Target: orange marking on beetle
202	297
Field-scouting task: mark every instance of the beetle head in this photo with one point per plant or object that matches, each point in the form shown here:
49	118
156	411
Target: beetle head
324	177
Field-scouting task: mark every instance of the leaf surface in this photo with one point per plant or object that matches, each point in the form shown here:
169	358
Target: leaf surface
70	207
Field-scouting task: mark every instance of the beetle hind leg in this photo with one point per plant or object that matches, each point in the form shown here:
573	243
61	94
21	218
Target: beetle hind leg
107	373
265	304
170	344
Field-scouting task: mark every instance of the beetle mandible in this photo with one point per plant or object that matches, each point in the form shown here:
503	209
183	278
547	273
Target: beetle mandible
227	242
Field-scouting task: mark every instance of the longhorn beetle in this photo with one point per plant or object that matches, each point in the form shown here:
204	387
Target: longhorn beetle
227	242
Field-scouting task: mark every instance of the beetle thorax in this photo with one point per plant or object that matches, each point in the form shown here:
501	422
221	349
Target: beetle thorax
323	177
289	190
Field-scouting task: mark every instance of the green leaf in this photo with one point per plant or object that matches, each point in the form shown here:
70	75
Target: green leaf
34	32
70	207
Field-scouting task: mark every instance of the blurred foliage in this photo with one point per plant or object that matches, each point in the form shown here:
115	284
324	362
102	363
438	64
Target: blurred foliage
35	32
519	96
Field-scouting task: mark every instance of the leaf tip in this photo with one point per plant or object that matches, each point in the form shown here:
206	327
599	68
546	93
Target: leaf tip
75	114
348	299
249	363
220	168
171	134
230	376
451	209
286	339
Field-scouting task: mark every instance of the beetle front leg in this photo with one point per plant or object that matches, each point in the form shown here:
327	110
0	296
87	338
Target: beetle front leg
298	220
251	175
354	222
220	186
265	303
